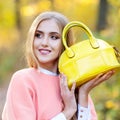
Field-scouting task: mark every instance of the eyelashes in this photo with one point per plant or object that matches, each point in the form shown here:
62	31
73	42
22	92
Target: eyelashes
52	36
38	35
55	37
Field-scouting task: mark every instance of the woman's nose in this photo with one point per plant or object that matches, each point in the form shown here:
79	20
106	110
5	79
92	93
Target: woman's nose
45	41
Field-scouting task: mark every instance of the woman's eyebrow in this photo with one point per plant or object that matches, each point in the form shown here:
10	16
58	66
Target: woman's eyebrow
51	33
55	33
39	31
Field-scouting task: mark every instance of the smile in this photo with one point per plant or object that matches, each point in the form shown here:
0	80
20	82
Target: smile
44	51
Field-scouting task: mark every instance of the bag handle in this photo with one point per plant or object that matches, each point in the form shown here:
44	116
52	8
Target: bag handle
92	39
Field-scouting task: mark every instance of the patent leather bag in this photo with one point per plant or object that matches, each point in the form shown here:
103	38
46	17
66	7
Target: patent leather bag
86	59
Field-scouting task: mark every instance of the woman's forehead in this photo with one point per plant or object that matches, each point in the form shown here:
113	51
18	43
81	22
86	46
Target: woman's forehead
49	25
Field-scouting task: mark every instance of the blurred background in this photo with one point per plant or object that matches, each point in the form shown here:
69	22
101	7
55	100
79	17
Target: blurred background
101	16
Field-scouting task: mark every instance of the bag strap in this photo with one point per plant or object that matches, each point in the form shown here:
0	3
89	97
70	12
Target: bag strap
92	39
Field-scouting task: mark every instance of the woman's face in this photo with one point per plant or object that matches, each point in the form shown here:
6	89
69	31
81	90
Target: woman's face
47	42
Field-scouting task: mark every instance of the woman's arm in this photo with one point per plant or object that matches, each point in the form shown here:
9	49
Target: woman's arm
19	105
84	91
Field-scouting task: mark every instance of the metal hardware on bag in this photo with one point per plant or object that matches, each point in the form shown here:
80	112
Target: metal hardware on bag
117	52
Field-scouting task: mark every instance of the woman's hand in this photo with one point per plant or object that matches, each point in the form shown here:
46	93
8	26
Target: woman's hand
88	86
68	96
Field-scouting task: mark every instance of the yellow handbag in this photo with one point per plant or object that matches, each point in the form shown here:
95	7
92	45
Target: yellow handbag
86	59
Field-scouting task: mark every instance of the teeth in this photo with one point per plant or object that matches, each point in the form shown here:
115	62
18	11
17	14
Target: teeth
44	51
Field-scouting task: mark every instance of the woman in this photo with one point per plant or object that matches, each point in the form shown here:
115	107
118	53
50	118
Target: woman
40	92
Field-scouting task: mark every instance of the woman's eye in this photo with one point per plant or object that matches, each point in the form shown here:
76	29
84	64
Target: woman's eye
55	37
38	35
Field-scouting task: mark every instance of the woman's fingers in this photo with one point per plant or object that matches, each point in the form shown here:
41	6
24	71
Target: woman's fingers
88	86
73	87
63	82
102	77
105	75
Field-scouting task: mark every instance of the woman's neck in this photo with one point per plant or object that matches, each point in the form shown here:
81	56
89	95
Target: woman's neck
51	68
45	71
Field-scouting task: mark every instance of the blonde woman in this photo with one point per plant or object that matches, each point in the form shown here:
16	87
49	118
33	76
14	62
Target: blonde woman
40	92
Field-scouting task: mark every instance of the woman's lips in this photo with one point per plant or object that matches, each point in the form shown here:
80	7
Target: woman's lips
44	51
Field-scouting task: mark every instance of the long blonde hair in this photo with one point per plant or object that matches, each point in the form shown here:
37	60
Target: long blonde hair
60	19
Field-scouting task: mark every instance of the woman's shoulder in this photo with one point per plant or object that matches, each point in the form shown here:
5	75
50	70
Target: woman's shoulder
23	76
23	73
21	80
